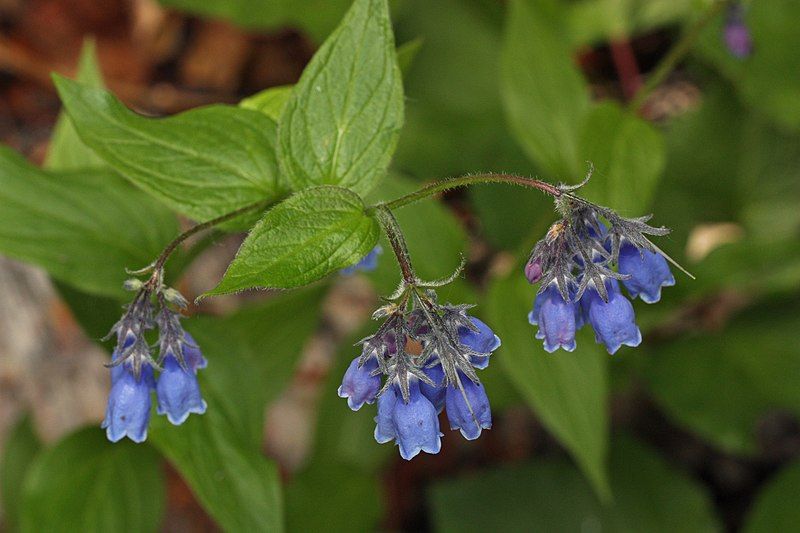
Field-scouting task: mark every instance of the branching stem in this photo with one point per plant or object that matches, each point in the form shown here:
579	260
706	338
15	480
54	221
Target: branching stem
462	181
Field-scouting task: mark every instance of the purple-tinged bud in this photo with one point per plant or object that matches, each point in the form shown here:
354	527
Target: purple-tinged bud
416	424
557	319
367	264
648	272
128	408
613	321
533	271
359	385
470	415
737	34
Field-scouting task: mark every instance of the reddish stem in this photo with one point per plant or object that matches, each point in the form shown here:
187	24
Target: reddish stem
625	63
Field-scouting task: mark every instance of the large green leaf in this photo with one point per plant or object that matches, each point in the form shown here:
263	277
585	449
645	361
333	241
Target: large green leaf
21	447
544	94
313	233
720	384
341	124
551	496
251	356
628	155
84	227
567	391
88	484
203	163
236	484
775	508
66	150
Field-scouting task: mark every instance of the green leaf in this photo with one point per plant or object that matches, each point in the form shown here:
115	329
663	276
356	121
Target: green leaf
628	154
719	385
252	354
407	52
235	483
66	150
551	496
341	124
21	447
544	94
567	391
83	227
251	357
203	163
86	483
775	508
313	233
269	101
768	80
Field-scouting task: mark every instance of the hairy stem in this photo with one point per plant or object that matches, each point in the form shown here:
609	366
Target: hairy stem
398	243
158	265
452	183
676	54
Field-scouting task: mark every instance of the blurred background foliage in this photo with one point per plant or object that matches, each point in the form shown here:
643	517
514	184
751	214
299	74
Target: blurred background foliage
695	430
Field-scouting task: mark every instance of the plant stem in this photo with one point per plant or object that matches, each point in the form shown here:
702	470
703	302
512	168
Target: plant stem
676	53
158	265
398	243
452	183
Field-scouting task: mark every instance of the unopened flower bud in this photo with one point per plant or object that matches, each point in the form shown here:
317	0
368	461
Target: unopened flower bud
533	271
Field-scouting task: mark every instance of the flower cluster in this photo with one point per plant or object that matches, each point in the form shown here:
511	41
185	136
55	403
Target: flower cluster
133	368
574	264
428	354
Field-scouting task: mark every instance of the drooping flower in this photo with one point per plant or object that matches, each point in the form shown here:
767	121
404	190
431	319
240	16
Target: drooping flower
177	388
556	318
481	340
648	272
416	424
468	410
128	408
360	384
412	423
613	321
367	263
